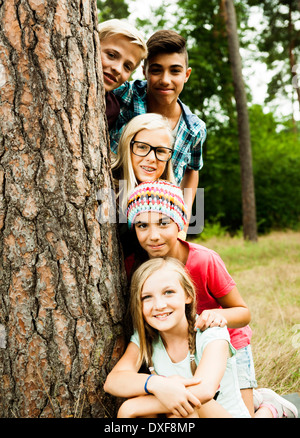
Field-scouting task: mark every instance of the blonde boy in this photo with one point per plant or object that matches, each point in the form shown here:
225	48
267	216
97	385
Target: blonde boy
122	49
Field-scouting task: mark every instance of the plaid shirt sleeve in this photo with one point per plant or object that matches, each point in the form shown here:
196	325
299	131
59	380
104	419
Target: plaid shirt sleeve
196	162
188	144
124	95
132	103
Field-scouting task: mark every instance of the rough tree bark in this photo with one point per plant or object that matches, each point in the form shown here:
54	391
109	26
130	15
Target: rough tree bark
247	179
61	298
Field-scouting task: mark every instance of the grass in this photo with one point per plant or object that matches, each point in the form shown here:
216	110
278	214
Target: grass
267	274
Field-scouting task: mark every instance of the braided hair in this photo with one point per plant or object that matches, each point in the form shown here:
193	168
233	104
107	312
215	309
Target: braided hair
146	333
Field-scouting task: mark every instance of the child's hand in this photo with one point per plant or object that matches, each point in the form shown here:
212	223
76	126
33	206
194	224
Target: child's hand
174	395
210	318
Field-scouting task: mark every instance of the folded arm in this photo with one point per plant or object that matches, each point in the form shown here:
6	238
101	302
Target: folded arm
234	313
125	381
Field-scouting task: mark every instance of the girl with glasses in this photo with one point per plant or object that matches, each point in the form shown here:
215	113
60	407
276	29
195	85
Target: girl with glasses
144	154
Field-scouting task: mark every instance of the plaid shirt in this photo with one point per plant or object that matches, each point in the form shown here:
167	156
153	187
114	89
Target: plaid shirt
190	136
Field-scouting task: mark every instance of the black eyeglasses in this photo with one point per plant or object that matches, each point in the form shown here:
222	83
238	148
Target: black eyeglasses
143	149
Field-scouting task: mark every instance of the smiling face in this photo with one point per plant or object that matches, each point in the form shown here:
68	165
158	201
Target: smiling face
119	57
149	168
163	301
157	234
166	75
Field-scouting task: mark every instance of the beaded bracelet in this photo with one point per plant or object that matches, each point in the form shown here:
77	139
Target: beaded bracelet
145	387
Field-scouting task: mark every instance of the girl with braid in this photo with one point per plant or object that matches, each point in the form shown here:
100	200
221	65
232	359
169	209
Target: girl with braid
193	373
157	213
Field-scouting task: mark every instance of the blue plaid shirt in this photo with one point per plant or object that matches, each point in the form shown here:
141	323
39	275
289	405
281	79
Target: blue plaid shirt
190	136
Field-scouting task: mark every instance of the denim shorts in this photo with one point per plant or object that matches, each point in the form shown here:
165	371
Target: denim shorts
245	368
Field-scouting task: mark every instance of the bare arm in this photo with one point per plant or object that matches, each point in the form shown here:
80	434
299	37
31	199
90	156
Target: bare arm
234	313
142	406
211	369
125	381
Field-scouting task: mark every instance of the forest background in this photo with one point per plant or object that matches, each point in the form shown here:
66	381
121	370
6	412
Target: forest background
269	34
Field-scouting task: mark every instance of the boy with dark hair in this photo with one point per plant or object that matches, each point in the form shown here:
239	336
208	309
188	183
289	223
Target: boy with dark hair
166	71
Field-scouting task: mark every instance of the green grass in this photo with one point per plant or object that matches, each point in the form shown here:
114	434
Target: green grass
267	274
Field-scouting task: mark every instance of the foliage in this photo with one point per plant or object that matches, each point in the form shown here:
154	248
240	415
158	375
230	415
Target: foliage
220	177
276	163
157	20
279	42
112	9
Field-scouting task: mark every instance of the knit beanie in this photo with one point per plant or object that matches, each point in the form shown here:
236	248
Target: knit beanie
160	197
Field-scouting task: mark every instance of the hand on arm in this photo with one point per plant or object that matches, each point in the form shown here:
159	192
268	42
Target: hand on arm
125	381
174	395
210	318
207	379
234	311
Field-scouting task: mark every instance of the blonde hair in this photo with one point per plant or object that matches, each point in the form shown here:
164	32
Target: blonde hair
122	165
114	26
146	333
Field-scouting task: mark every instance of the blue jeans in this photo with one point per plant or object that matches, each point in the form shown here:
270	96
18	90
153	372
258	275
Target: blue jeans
245	368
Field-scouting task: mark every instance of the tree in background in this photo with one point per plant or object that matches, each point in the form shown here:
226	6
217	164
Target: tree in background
159	18
61	297
209	91
276	163
276	170
215	81
247	181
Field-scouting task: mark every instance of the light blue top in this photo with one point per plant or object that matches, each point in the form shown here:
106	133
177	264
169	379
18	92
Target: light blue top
229	396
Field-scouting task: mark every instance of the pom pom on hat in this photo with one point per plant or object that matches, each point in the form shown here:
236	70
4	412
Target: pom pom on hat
160	197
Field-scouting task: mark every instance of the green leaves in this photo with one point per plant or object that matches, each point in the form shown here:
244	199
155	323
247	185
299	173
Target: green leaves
109	9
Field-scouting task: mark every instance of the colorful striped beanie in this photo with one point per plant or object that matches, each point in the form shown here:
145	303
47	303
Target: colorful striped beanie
158	196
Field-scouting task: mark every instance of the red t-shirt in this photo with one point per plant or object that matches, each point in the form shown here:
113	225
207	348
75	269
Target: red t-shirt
213	281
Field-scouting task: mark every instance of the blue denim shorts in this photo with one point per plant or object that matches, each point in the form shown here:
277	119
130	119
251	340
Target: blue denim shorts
245	368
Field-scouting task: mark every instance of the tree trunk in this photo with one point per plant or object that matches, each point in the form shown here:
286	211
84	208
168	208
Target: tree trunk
61	303
247	180
292	58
